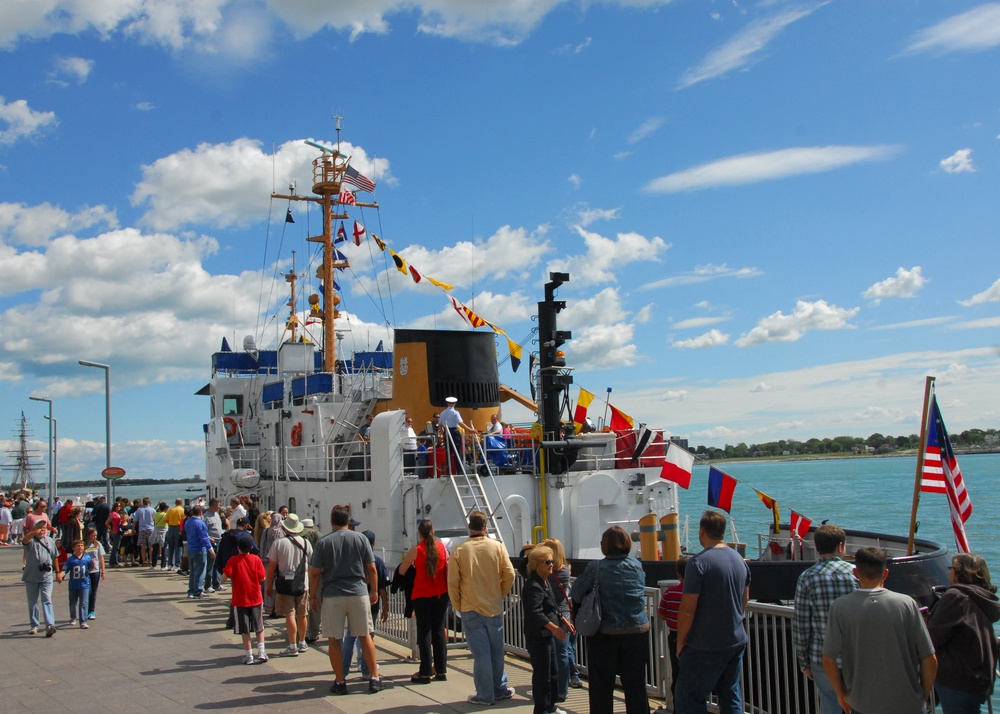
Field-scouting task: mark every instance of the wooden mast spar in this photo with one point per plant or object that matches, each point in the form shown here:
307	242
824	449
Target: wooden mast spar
328	174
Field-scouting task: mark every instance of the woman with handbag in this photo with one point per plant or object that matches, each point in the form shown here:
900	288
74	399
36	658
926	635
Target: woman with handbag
565	649
543	627
429	559
620	645
961	628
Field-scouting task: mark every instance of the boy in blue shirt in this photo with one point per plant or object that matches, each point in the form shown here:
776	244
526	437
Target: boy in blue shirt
77	567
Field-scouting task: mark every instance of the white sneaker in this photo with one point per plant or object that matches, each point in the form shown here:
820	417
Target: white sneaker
210	590
73	622
302	647
290	651
248	658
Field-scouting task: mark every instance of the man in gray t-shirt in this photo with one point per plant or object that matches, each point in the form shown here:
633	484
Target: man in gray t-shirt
888	658
343	565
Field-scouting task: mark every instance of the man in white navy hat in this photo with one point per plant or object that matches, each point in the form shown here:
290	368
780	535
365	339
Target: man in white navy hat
452	421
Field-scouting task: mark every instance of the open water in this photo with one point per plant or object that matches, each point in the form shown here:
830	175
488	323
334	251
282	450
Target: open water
873	494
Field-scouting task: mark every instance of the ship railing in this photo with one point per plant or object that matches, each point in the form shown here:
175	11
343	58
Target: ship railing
771	682
785	547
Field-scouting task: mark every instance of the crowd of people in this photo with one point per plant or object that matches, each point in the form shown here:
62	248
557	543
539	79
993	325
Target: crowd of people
866	648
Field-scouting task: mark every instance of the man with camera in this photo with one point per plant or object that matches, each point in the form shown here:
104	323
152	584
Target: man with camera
40	568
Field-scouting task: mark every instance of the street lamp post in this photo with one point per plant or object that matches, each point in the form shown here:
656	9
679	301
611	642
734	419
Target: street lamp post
107	413
54	425
51	491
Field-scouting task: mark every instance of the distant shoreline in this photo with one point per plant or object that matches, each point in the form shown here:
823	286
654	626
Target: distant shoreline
119	483
910	453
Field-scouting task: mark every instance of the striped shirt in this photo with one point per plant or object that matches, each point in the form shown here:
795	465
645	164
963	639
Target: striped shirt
817	588
670	604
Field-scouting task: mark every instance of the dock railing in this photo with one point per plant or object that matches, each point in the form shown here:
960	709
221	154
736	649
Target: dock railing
772	682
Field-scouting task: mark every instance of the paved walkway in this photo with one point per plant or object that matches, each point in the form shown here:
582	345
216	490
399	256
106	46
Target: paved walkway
151	648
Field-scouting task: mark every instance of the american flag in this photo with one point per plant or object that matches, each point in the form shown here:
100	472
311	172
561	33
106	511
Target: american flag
346	197
354	178
941	474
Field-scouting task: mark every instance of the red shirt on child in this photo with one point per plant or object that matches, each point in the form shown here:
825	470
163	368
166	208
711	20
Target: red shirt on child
246	571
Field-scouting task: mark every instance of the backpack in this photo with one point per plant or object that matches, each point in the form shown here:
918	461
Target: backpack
588	615
297	585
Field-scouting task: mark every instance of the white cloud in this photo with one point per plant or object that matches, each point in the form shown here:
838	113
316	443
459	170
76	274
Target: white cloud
761	387
905	284
602	339
144	106
806	316
141	301
959	162
646	129
37	225
19	121
990	294
743	49
701	274
575	49
604	254
226	185
768	166
976	30
926	322
77	68
985	322
586	216
717	432
882	414
712	338
575	180
674	395
696	322
644	315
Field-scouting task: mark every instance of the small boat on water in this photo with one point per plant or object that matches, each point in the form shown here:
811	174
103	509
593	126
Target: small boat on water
284	427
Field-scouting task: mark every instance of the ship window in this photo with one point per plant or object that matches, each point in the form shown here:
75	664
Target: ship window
232	404
291	505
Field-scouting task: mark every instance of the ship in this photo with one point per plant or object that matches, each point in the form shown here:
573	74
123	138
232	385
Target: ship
284	427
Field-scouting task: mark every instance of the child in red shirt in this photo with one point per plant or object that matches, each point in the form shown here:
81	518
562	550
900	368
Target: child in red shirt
670	603
246	571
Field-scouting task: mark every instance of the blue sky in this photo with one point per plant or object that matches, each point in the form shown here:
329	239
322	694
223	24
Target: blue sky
778	217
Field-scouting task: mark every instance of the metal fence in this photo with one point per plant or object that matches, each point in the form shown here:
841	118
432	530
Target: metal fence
772	682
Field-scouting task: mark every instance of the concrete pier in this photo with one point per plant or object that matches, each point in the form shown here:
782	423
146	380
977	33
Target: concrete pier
151	649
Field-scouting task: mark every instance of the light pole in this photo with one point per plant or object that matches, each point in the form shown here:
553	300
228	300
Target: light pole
107	413
54	426
51	491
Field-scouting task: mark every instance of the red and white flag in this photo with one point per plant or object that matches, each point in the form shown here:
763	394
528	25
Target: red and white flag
941	474
359	233
799	525
346	197
677	465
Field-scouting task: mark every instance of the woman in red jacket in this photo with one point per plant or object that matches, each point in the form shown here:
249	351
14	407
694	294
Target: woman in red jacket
429	558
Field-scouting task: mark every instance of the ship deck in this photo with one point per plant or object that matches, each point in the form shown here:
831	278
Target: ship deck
151	647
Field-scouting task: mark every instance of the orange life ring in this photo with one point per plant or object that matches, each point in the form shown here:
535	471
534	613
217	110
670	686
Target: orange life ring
297	434
230	426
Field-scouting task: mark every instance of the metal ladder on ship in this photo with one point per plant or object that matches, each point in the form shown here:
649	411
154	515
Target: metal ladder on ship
469	489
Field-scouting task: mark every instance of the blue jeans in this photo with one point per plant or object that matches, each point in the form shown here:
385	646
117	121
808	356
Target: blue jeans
347	647
116	544
565	665
703	673
34	590
955	701
197	562
172	545
79	601
828	703
211	574
484	636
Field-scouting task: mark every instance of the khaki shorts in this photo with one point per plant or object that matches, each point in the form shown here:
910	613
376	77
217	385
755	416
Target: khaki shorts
284	604
355	610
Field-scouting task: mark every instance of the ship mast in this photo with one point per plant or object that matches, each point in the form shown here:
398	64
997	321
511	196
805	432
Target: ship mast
328	174
23	464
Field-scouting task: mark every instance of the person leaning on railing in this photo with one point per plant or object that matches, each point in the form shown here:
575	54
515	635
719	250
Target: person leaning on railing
621	646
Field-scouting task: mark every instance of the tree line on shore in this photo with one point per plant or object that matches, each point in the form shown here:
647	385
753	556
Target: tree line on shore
874	444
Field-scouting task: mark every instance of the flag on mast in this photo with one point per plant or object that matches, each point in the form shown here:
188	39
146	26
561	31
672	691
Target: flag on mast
941	474
580	413
721	487
678	464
